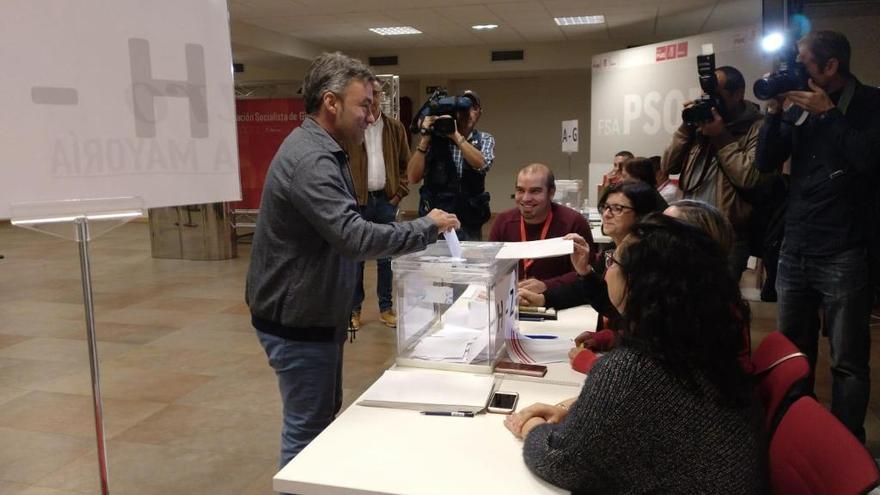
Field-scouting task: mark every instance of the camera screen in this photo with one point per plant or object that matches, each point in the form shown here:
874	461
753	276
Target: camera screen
503	401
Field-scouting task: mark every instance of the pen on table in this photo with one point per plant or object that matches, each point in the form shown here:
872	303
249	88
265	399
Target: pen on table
538	336
460	414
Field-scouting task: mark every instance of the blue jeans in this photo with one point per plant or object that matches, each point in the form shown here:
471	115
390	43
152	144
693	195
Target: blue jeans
310	381
378	210
837	287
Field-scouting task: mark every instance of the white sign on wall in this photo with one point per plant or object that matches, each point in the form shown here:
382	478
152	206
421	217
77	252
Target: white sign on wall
638	93
569	136
115	99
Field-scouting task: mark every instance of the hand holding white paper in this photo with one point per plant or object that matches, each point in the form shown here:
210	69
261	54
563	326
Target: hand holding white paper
453	243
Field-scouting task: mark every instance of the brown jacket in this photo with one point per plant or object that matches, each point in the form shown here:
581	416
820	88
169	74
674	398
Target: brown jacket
395	149
735	154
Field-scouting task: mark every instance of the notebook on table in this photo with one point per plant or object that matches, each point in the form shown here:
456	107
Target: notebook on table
429	391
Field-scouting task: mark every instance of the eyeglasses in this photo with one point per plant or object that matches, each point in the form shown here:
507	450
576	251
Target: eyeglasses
615	209
610	259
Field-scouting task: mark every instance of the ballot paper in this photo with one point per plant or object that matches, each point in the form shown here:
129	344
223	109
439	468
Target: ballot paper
453	243
452	344
547	248
429	391
530	350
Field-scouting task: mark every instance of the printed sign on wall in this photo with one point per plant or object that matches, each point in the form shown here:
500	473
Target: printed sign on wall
569	136
116	99
263	124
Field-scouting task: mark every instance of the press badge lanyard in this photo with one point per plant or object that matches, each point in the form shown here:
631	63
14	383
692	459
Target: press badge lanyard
522	234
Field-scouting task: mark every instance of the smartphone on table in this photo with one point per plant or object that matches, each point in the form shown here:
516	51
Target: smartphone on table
503	402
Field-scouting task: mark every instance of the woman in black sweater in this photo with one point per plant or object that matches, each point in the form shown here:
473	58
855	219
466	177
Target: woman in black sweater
670	409
622	204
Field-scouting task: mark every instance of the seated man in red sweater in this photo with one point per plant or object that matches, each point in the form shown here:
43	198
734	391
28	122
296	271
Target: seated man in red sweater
536	217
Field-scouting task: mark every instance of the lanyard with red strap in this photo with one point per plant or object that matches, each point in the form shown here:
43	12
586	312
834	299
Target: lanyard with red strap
522	234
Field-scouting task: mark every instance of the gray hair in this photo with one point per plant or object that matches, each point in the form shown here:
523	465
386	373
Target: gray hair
331	72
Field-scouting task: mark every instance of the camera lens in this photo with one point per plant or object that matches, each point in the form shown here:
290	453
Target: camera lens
699	112
766	87
444	126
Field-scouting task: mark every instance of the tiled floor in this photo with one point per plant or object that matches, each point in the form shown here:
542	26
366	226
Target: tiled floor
190	404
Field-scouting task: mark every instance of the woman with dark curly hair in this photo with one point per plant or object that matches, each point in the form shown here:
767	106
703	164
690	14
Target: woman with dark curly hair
670	409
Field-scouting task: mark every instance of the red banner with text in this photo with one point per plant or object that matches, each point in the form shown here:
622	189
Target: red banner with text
262	126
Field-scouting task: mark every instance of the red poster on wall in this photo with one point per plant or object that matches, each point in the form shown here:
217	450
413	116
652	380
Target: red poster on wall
262	126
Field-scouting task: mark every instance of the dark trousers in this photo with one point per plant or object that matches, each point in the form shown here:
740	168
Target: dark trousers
837	288
469	233
738	259
378	210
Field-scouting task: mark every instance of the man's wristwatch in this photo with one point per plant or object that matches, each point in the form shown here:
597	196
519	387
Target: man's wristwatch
460	141
822	117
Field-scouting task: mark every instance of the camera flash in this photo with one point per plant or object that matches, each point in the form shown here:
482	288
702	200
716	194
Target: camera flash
708	49
772	42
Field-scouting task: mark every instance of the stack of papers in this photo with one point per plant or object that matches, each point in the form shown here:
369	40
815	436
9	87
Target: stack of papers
429	391
539	349
537	311
453	344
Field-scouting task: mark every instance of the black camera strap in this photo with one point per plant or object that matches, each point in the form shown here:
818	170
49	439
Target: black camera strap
704	155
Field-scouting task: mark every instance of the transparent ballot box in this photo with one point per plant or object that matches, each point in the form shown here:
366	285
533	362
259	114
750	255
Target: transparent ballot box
454	313
569	193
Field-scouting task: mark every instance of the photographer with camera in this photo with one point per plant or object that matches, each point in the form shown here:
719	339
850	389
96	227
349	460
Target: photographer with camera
453	158
830	222
714	151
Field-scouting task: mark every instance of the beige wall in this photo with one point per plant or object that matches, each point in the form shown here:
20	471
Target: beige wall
863	32
525	115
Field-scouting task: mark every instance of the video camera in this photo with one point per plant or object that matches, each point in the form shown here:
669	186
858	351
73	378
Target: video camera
701	110
789	75
440	103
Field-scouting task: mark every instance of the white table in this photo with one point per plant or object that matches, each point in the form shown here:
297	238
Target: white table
369	450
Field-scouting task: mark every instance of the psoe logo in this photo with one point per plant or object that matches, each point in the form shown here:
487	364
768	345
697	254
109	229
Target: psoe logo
647	114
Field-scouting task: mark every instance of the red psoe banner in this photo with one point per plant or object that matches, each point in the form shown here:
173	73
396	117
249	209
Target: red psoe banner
262	126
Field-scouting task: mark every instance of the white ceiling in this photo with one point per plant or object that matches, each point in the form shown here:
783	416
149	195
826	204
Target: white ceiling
344	24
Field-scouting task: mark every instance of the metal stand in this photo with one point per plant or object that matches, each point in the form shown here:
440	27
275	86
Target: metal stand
56	218
82	241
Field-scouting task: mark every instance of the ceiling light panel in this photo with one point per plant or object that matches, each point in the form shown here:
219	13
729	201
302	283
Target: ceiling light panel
579	20
395	31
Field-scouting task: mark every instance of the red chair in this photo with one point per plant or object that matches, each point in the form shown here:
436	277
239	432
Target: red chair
812	453
779	367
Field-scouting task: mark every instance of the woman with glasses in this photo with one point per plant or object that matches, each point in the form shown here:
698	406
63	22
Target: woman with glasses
621	205
670	409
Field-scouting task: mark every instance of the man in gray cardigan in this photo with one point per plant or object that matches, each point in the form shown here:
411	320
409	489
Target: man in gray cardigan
308	241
